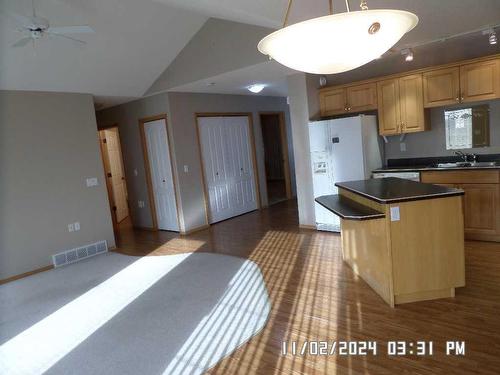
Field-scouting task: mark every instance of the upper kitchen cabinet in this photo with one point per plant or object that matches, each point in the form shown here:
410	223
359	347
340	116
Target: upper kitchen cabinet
441	87
480	81
350	99
332	101
389	110
461	84
412	104
400	105
362	97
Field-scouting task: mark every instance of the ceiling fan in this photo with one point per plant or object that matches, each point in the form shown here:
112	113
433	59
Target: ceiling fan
36	27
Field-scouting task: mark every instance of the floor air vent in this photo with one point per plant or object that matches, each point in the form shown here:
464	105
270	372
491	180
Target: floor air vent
79	253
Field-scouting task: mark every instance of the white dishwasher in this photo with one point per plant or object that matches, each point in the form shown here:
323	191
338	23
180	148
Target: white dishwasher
414	176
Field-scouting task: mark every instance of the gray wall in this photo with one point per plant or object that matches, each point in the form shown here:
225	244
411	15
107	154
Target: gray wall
433	142
48	147
181	109
127	116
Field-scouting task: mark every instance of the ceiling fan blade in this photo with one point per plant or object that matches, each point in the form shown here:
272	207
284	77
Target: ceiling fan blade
78	41
71	30
21	42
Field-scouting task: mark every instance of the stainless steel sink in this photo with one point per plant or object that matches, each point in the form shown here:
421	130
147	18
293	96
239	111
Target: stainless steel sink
478	164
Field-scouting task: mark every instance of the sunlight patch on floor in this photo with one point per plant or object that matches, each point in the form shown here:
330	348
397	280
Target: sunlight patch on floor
39	347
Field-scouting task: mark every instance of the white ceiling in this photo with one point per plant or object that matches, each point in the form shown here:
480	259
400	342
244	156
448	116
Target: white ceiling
136	40
270	73
133	44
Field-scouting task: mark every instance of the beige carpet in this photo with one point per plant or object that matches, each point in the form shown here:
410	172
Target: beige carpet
115	314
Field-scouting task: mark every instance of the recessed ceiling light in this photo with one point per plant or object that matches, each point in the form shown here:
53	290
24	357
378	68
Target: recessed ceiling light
338	42
256	88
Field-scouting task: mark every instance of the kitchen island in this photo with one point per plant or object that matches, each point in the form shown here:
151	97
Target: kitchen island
404	238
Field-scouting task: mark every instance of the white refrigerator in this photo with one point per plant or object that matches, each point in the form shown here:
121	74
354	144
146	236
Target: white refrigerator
343	149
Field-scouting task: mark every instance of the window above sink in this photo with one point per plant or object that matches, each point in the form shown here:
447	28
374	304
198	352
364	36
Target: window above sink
467	127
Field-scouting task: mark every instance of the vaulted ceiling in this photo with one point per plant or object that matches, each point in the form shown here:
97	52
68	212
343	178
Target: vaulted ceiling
137	41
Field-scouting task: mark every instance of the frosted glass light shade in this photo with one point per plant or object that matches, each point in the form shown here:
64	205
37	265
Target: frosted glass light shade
338	42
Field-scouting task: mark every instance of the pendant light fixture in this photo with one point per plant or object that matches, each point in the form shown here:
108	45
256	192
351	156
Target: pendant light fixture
338	42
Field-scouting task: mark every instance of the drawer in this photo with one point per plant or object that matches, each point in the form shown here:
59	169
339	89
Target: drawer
461	177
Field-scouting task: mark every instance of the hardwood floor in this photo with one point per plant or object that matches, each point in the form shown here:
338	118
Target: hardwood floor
316	297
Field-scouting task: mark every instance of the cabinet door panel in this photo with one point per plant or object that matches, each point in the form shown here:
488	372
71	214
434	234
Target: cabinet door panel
362	97
481	208
412	103
332	102
388	107
480	81
441	87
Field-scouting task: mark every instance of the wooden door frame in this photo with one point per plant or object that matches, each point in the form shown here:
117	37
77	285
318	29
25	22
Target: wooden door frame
255	168
284	149
147	168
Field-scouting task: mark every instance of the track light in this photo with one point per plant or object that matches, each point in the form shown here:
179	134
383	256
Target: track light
493	37
408	54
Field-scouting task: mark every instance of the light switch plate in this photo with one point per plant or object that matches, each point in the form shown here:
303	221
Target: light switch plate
77	226
395	216
186	168
92	181
402	146
71	227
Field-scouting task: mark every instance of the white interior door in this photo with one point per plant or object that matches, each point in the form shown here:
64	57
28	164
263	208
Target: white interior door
228	167
161	174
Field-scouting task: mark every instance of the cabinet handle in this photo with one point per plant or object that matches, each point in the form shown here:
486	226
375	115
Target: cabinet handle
458	97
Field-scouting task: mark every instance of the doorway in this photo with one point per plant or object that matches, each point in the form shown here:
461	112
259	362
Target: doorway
115	174
276	157
159	173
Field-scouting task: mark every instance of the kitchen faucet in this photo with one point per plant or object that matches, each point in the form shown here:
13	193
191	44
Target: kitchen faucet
465	156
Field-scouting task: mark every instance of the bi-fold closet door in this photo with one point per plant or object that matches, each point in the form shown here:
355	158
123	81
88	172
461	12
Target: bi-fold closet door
228	166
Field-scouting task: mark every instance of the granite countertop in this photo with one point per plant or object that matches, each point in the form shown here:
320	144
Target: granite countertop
347	208
392	190
423	168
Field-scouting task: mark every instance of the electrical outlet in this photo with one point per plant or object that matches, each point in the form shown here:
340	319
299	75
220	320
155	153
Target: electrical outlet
77	226
402	146
140	204
71	227
186	169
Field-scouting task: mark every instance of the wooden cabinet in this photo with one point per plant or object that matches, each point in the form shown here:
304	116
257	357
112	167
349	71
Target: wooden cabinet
350	99
389	111
332	102
462	84
481	213
400	105
481	200
412	104
480	81
441	87
362	97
